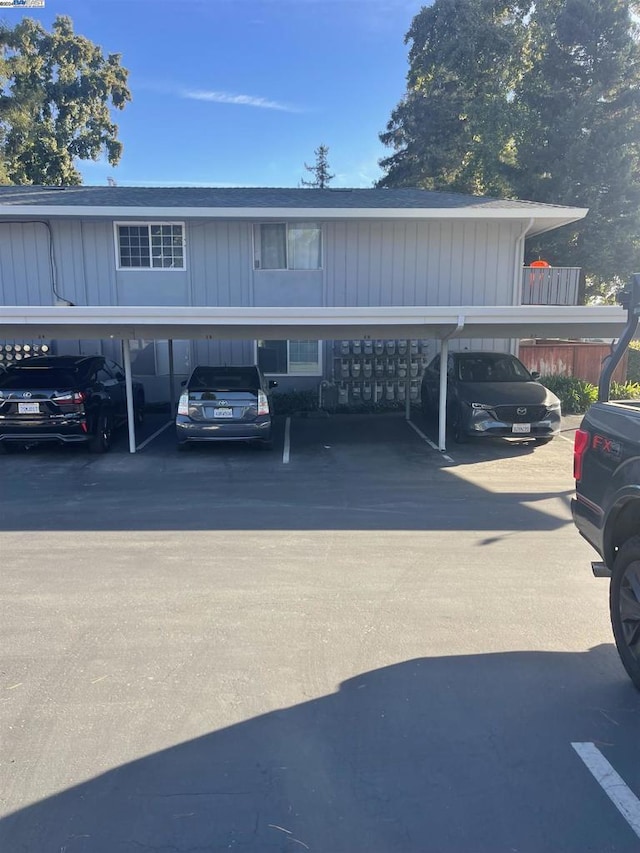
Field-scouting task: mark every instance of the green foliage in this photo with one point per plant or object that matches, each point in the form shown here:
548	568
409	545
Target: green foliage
54	107
537	102
294	402
633	362
575	395
320	170
624	391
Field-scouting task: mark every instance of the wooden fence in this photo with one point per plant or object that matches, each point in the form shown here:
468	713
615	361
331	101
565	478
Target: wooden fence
570	358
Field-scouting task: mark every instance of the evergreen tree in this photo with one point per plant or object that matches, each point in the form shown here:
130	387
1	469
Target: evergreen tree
320	170
537	102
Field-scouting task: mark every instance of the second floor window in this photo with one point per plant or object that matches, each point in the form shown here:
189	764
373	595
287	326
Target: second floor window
154	245
292	246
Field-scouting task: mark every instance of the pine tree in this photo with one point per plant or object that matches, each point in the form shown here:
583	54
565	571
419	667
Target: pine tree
320	171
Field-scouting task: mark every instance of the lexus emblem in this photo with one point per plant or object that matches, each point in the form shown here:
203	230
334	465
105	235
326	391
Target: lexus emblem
27	394
521	411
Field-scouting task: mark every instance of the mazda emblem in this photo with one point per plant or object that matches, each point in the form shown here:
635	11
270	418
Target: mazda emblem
521	411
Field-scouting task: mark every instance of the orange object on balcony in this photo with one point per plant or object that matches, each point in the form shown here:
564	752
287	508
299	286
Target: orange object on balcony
539	263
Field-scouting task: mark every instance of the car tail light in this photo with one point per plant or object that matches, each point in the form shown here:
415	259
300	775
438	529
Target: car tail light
183	404
76	398
580	444
263	403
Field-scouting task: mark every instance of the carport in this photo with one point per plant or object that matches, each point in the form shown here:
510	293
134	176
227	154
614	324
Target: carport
442	323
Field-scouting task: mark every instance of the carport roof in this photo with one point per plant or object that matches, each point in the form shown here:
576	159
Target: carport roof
274	203
182	323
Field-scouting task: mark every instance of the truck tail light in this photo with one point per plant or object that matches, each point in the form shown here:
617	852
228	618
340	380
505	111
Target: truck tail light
580	444
263	403
183	404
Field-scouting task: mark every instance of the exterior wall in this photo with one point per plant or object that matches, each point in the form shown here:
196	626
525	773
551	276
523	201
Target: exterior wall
366	262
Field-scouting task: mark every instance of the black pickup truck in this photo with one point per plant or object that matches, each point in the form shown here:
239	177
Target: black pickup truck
606	508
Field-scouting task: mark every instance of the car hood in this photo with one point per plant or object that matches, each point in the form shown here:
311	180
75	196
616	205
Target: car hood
506	393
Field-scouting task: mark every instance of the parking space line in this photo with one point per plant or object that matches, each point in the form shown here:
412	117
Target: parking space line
155	435
611	783
428	440
287	442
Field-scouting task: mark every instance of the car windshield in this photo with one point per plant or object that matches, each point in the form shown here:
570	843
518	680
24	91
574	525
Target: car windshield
224	379
38	378
492	368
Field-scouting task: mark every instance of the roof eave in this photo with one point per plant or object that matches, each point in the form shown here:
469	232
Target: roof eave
544	218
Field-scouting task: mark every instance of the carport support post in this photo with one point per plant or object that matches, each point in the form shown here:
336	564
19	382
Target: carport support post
172	380
128	381
407	400
442	412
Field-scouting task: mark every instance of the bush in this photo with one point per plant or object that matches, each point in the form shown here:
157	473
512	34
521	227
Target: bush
625	391
575	395
633	362
293	402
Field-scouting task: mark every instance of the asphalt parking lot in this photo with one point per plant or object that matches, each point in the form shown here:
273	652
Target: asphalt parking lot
350	643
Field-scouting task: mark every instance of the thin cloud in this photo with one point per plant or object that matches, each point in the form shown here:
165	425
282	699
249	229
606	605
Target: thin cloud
214	97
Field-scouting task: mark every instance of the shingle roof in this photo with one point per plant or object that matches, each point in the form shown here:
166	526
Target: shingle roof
250	197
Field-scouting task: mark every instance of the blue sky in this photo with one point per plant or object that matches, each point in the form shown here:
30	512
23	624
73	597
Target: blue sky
241	92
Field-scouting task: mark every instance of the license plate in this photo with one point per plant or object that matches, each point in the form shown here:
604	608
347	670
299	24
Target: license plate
28	408
223	413
521	428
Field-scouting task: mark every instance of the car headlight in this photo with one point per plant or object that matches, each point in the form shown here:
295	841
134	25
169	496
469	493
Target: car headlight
553	407
485	407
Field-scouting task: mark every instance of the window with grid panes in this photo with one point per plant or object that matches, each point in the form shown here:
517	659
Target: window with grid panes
151	246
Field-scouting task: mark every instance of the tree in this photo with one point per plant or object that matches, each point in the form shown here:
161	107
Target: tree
54	105
320	171
454	127
579	141
538	102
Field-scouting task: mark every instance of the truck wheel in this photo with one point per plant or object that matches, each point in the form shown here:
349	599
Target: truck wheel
624	603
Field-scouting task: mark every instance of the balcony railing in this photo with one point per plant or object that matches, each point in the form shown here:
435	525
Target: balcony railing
550	285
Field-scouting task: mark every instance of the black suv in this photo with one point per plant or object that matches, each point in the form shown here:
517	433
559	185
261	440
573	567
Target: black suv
64	399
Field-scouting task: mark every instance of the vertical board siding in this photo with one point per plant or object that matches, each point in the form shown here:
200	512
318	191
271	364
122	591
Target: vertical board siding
99	261
25	270
420	263
221	261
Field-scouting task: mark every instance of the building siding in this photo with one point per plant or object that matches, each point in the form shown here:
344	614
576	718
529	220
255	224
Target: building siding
367	262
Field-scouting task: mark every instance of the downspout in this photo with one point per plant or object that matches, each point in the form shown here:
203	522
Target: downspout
517	275
444	355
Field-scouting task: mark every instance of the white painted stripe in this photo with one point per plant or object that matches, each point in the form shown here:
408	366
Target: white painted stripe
611	783
287	442
428	440
155	435
570	440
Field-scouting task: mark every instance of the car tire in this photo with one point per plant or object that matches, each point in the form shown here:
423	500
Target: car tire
183	446
624	607
459	435
544	440
139	411
100	441
265	444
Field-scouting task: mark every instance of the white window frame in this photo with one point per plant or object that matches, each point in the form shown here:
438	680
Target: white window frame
320	371
287	224
149	223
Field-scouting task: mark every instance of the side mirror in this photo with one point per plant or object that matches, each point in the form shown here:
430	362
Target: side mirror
535	375
273	383
184	382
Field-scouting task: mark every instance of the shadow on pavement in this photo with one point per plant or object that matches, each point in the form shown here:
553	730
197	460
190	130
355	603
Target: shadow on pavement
468	753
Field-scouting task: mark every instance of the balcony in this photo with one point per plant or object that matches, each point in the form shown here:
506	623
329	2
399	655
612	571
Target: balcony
550	285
